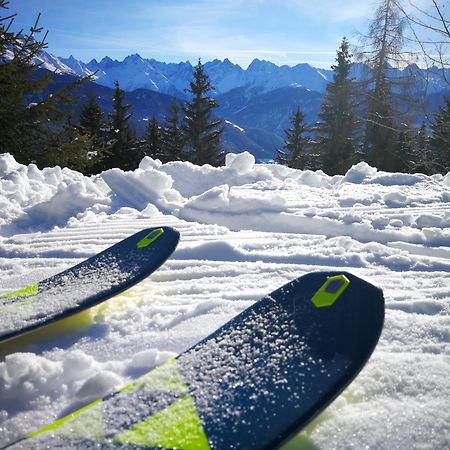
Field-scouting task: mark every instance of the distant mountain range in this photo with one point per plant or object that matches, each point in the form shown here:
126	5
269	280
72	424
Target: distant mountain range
255	103
135	72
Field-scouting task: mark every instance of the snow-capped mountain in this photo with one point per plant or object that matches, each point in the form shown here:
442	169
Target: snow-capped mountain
76	66
135	72
49	62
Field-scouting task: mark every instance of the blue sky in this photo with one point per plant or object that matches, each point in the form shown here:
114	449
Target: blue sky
284	32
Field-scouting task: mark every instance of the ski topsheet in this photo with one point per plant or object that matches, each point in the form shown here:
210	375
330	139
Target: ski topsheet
252	384
86	284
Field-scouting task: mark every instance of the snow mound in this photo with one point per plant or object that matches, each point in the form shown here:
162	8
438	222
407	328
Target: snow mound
223	198
240	163
141	187
7	164
359	173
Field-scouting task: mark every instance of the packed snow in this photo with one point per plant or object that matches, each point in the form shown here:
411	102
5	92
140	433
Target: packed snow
246	229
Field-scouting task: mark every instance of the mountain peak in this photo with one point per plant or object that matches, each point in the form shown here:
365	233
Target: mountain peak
106	60
228	63
258	64
135	57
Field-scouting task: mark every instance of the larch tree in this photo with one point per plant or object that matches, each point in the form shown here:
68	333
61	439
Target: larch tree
382	93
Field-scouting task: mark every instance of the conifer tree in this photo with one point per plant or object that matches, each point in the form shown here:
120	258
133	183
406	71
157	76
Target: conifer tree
154	140
423	160
440	138
69	147
337	120
404	155
30	122
91	116
22	122
173	137
122	150
294	154
202	132
92	124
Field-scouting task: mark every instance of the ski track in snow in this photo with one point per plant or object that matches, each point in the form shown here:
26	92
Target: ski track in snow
245	229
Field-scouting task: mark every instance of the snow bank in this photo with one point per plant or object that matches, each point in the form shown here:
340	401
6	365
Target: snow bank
240	194
142	187
33	199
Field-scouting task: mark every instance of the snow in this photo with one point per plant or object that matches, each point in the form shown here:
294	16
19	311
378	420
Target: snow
235	126
246	229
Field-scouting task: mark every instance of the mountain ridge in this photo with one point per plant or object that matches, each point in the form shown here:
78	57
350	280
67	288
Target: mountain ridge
171	78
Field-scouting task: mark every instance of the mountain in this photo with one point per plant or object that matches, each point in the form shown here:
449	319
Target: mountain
135	72
269	111
256	103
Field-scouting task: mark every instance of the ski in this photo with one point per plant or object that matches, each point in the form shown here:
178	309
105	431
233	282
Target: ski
91	282
252	384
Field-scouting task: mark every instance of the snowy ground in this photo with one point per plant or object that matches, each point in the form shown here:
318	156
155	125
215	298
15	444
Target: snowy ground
245	230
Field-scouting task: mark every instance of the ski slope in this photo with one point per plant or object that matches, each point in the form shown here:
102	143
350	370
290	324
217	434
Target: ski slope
246	229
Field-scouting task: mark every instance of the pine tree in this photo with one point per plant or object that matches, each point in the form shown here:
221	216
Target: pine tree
404	155
423	160
173	137
154	140
69	147
30	122
202	132
337	120
92	124
294	154
122	151
22	122
440	138
91	116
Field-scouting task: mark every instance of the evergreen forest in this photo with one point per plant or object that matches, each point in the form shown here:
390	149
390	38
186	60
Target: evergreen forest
358	120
